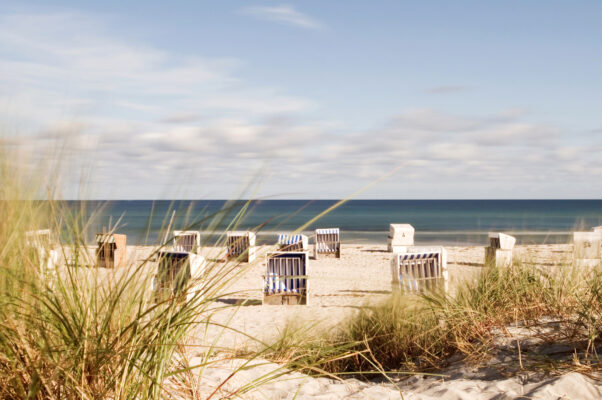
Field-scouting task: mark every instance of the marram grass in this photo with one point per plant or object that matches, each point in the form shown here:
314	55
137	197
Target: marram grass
411	334
78	332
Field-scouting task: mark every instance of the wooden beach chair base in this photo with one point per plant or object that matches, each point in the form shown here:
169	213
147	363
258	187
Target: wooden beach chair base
288	299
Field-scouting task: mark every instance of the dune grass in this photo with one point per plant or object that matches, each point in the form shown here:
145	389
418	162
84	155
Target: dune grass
410	334
76	331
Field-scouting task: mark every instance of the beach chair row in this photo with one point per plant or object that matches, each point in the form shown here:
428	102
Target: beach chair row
286	279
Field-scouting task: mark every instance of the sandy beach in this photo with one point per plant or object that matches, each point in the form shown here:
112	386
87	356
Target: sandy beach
338	287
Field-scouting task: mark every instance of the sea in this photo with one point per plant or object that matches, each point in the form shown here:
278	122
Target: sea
445	222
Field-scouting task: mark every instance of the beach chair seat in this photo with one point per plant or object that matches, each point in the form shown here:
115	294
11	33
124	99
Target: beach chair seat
111	250
327	241
189	241
178	274
286	278
499	251
420	269
296	242
241	244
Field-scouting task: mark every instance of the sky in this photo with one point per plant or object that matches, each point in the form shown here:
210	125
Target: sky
306	99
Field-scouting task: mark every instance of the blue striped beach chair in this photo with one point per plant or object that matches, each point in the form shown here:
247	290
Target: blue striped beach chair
420	269
327	241
189	241
296	242
286	278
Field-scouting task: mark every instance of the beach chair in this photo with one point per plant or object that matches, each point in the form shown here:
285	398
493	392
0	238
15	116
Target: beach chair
176	272
586	249
45	247
296	242
189	241
286	279
400	237
241	244
111	250
420	269
499	251
327	241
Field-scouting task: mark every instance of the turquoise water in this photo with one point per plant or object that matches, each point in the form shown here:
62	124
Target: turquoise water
361	221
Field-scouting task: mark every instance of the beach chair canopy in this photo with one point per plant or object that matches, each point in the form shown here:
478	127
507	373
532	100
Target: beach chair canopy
502	241
400	235
420	269
189	241
293	241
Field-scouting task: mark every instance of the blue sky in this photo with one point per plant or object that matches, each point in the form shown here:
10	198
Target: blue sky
196	99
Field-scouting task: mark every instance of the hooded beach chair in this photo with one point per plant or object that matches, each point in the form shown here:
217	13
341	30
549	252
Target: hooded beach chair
420	269
189	241
400	237
176	272
286	279
45	247
296	242
586	249
499	251
327	241
111	250
241	244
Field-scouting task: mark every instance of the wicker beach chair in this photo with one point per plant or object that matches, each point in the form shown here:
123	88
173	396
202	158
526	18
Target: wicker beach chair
286	279
178	274
111	250
420	269
296	242
499	251
45	247
189	241
327	241
241	244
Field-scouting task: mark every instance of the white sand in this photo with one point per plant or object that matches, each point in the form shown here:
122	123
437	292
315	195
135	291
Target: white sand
298	386
337	288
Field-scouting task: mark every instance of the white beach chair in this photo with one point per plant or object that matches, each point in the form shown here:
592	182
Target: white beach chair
420	269
296	242
400	236
46	248
111	250
241	244
586	249
327	241
176	272
189	241
499	251
286	279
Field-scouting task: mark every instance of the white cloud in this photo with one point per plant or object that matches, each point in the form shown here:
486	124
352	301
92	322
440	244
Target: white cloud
155	123
285	14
